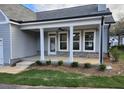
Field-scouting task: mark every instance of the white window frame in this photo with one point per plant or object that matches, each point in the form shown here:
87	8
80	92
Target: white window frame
79	41
59	41
94	41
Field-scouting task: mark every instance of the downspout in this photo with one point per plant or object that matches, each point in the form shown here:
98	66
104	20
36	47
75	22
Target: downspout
108	38
101	40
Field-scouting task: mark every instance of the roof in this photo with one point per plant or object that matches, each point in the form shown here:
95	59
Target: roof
18	12
70	13
73	12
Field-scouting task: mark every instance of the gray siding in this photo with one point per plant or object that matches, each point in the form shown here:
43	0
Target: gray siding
96	41
5	34
24	43
105	37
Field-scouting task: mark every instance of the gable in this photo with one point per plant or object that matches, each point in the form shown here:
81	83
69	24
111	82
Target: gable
17	12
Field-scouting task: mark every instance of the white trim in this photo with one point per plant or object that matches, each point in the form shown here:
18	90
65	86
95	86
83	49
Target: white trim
65	20
51	53
93	40
51	33
62	24
71	31
42	44
6	18
11	53
77	31
15	23
59	41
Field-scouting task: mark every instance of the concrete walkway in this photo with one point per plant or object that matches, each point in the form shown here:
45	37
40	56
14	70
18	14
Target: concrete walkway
16	69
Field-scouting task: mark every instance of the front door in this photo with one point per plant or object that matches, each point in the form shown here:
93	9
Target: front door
52	45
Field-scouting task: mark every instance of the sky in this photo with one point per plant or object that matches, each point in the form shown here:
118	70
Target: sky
117	9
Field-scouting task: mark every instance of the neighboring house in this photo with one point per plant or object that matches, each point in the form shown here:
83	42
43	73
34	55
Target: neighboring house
122	39
78	31
113	41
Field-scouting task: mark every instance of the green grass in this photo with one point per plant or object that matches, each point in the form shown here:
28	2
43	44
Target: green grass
62	79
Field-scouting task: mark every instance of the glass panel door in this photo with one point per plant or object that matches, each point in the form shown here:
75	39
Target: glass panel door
52	45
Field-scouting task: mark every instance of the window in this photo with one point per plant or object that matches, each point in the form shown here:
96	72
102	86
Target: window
89	41
63	41
76	41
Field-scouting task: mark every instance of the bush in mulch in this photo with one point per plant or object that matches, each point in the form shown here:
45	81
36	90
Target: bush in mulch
75	64
38	62
14	64
115	54
48	62
87	65
121	47
102	67
60	62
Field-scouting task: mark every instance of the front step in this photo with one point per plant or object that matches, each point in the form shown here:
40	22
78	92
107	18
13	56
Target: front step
25	63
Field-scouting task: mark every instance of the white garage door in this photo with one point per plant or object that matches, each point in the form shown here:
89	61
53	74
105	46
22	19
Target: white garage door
1	51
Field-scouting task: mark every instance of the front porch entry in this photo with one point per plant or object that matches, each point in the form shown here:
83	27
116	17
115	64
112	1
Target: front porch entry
77	40
52	44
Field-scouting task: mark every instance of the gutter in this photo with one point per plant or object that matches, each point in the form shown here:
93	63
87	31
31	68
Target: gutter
101	40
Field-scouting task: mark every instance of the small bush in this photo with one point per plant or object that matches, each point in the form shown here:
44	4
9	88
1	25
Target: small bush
48	62
115	54
38	62
102	67
120	47
14	64
60	62
74	64
87	65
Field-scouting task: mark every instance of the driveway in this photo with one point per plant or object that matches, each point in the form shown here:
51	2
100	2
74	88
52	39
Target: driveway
16	69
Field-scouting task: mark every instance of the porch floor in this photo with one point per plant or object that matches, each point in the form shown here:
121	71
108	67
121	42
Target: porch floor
65	59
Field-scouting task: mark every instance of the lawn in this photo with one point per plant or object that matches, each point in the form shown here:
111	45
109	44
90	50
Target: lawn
63	79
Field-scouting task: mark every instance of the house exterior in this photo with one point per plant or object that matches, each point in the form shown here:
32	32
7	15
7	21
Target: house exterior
73	32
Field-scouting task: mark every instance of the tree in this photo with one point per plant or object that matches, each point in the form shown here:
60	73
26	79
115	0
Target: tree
118	28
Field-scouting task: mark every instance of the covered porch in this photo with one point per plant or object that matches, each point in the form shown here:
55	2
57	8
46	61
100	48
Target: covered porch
88	48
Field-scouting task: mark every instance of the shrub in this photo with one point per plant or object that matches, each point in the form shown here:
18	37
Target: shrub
14	64
48	62
87	65
60	62
115	54
74	64
102	67
120	47
38	62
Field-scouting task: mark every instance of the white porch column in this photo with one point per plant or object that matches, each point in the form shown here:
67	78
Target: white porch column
41	44
71	44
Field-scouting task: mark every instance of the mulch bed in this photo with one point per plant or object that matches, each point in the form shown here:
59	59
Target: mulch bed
117	69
